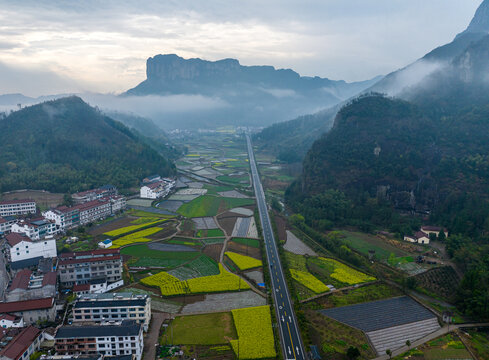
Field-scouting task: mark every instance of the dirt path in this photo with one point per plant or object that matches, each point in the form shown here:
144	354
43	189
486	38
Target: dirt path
151	337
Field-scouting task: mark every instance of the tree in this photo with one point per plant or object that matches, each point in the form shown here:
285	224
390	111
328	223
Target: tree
389	353
408	343
441	236
352	353
67	200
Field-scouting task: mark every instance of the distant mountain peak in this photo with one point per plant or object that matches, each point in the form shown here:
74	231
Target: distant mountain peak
480	21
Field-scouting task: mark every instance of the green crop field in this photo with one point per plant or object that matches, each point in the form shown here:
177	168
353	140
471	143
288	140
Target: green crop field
213	241
213	190
199	267
143	256
209	233
248	242
365	242
234	179
206	329
209	205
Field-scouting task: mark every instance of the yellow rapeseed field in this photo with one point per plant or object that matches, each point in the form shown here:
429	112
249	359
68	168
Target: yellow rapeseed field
170	285
243	262
346	274
255	335
137	237
127	229
309	281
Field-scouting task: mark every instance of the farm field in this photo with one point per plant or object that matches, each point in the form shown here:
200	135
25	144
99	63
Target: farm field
247	242
170	285
243	262
209	205
146	257
128	229
44	199
365	242
255	335
309	281
479	343
355	296
206	329
137	237
199	267
439	281
337	272
209	233
334	338
445	347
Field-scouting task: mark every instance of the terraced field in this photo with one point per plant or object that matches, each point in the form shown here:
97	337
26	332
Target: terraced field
144	256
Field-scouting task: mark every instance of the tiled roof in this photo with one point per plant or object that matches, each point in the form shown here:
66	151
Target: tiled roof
90	204
15	238
49	278
432	228
26	305
420	234
23	201
89	253
21	280
20	343
8	317
81	287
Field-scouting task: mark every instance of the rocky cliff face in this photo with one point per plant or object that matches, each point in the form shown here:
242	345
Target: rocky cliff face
173	67
480	22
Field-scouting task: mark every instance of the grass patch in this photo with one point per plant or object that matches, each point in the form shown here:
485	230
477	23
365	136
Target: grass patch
214	190
209	205
254	243
206	329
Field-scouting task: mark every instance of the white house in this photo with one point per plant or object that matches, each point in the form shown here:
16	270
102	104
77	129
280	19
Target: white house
107	243
420	238
434	230
157	189
17	207
65	217
21	247
94	210
117	203
36	229
9	321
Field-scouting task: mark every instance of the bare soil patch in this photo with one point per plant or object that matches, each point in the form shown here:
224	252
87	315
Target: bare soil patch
281	227
112	225
43	199
227	221
244	250
213	251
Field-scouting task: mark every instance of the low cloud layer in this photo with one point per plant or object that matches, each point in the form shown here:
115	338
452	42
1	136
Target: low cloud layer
103	45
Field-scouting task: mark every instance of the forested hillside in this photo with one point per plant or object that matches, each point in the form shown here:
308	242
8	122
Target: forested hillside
66	145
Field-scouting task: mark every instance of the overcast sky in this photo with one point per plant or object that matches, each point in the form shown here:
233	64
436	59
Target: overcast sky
51	46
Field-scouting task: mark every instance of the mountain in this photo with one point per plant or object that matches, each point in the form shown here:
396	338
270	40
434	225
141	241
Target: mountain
290	140
152	134
248	95
402	80
445	80
65	145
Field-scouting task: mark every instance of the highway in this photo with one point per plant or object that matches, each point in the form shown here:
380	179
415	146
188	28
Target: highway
290	338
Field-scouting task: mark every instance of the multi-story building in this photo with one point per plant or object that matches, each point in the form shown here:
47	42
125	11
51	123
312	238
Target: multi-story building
65	217
113	307
6	224
94	194
27	285
21	343
36	229
156	190
117	203
85	266
20	247
17	207
94	210
31	311
124	338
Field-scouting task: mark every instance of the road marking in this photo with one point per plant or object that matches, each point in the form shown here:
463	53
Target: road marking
291	341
